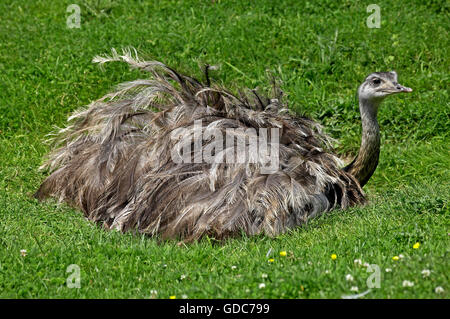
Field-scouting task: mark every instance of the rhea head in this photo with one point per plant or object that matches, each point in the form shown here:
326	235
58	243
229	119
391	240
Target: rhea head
378	85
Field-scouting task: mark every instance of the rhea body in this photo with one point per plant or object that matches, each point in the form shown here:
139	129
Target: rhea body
115	158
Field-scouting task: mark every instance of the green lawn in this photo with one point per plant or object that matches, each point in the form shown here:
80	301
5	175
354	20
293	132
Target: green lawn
321	50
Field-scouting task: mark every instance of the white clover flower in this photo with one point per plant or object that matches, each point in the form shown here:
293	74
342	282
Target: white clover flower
388	270
182	277
366	265
407	283
233	267
426	273
262	285
439	290
354	288
264	275
401	256
358	262
153	292
23	252
349	277
184	297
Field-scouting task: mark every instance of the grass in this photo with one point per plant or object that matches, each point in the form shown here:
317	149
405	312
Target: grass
321	50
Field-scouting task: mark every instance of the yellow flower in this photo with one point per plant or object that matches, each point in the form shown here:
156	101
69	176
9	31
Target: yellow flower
416	245
271	260
172	297
395	258
333	256
283	253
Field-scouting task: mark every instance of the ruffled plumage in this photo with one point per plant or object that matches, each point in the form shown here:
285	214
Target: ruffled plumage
115	161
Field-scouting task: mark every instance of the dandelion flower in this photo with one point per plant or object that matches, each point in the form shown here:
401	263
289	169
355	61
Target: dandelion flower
333	256
349	277
172	297
426	273
262	285
271	260
407	283
283	253
354	288
395	258
416	245
23	252
439	290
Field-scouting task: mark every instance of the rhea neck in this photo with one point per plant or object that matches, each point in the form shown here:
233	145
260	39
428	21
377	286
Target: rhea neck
365	163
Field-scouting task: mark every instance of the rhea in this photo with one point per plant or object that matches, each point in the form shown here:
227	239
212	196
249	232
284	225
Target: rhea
115	159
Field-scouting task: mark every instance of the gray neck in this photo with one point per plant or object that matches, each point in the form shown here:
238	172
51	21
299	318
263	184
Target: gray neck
364	165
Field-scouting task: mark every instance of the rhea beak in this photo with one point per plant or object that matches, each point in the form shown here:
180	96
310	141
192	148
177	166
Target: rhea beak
396	88
401	88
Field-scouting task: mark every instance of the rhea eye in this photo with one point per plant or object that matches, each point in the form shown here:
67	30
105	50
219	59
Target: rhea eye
376	81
